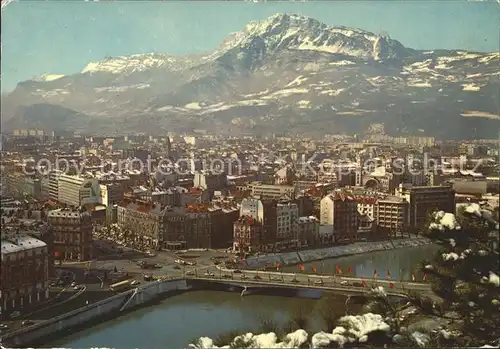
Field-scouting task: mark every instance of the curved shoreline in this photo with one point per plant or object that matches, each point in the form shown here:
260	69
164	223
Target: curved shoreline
306	256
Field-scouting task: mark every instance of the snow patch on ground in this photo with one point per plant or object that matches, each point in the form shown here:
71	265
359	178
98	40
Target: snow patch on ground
443	220
494	279
470	87
193	105
120	88
252	95
479	114
265	340
297	81
417	83
48	77
304	104
286	93
352	329
341	63
332	93
52	93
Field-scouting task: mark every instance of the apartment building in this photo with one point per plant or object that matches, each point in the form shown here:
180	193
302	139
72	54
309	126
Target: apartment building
25	272
305	204
78	190
210	181
339	211
197	226
53	184
365	206
111	193
328	176
264	211
287	214
425	200
72	231
248	235
142	223
391	215
222	216
19	185
272	191
304	185
175	196
150	226
308	230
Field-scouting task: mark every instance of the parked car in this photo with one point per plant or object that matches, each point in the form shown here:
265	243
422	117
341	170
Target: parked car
237	271
190	272
344	283
27	323
209	274
257	277
244	277
318	282
135	282
3	327
73	284
227	276
295	281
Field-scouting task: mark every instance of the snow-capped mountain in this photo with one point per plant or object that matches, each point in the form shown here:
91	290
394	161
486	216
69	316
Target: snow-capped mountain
286	72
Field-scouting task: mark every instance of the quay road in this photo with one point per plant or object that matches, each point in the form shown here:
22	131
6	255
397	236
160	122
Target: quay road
296	280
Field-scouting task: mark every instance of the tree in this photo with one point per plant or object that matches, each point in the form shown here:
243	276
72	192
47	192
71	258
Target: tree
464	273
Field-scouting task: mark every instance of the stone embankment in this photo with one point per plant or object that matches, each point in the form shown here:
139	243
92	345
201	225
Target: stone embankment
93	312
292	258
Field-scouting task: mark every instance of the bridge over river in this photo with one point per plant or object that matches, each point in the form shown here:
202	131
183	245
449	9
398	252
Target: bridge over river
340	284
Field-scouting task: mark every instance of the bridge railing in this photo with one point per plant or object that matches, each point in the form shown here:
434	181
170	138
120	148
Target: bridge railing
337	287
313	280
230	273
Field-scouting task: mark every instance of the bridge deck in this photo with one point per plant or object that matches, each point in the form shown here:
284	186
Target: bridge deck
328	283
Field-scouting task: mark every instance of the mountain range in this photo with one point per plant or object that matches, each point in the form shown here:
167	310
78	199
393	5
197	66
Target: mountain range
288	73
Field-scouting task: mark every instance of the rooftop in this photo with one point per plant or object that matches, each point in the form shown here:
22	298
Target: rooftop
17	243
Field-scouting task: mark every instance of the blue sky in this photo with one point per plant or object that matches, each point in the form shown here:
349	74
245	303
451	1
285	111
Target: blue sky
61	37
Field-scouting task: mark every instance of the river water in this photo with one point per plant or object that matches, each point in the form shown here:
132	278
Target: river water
397	264
176	321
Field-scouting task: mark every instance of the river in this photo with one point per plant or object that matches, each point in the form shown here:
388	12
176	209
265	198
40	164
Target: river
400	263
176	321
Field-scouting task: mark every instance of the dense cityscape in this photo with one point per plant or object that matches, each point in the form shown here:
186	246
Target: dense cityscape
249	174
67	198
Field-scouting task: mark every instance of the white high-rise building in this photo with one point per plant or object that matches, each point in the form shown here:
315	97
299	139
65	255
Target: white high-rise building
77	190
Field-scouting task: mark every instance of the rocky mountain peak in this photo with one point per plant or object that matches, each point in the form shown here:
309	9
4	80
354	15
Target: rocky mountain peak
284	31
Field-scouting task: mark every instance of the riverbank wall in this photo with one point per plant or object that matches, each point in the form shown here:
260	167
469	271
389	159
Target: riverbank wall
292	258
111	306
